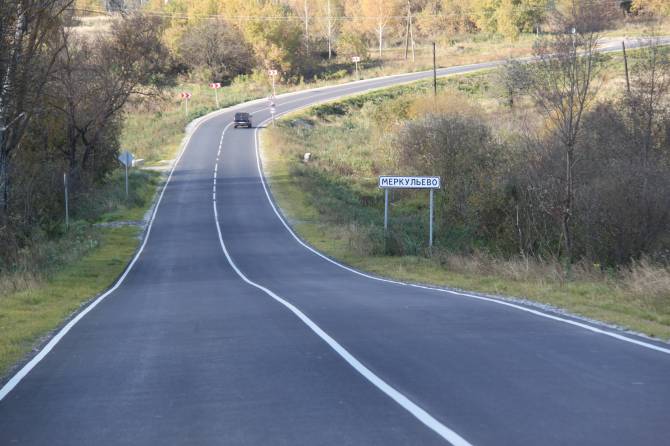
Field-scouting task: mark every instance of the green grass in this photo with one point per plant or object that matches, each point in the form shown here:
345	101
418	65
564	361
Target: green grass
26	316
69	270
343	221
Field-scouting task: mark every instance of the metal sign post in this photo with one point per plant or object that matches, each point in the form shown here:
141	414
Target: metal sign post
67	204
430	230
185	95
355	60
273	74
215	86
386	210
126	159
398	182
434	72
273	110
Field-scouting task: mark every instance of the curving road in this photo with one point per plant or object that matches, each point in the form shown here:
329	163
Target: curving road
227	330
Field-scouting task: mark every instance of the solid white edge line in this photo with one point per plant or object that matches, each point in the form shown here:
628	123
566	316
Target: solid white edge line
419	413
23	371
473	296
441	72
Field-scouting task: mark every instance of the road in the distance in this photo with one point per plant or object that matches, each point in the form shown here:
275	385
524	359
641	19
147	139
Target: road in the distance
191	350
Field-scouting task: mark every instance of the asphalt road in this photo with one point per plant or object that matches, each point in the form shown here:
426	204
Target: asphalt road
226	330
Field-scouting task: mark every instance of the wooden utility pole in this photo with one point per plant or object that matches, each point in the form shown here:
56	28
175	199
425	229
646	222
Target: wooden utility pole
409	32
625	64
434	72
306	10
330	32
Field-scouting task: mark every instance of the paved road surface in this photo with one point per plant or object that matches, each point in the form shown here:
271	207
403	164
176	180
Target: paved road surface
269	343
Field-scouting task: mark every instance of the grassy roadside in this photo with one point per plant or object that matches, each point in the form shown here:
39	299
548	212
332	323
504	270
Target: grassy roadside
27	316
340	146
80	265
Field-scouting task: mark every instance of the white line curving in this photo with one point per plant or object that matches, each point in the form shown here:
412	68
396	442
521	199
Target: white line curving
425	287
419	413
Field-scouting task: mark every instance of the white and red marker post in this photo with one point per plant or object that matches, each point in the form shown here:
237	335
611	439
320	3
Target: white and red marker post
273	74
273	110
185	96
215	86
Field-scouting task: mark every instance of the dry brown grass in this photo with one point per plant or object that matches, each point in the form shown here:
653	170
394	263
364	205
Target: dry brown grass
93	26
648	281
10	283
519	268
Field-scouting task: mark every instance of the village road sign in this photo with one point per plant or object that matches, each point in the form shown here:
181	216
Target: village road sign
394	182
356	59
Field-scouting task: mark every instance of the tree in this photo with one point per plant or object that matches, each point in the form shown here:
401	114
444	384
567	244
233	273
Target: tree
219	48
278	44
485	13
93	81
462	149
28	52
515	78
624	198
330	10
306	10
655	7
531	14
506	19
563	86
351	44
647	101
378	13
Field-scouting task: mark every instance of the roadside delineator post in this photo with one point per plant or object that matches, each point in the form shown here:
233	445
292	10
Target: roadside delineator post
273	74
215	86
185	96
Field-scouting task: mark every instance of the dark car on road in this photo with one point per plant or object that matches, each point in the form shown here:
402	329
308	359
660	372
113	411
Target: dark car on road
242	120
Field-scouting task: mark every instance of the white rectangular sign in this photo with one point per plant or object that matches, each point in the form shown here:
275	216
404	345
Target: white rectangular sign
391	182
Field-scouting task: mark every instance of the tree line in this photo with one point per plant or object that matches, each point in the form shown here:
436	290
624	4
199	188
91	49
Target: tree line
61	108
221	39
331	27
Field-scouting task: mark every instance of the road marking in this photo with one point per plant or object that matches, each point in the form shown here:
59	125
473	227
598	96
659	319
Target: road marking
407	404
16	379
395	282
410	77
18	376
25	370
